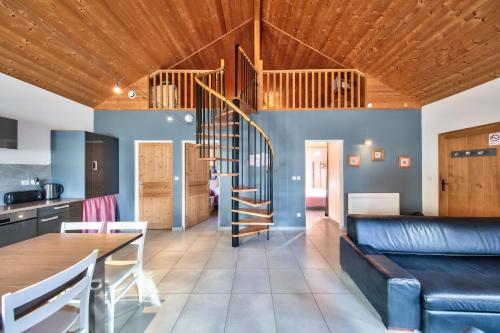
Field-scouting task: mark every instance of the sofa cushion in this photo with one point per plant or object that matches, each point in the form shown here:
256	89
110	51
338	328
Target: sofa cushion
425	235
455	283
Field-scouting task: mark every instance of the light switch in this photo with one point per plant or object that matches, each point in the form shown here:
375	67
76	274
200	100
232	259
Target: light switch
294	178
299	214
298	177
176	178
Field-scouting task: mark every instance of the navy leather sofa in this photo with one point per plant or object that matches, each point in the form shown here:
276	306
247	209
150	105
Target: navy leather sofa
439	275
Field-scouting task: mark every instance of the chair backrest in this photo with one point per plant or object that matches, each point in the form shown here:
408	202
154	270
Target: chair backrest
141	227
82	226
81	288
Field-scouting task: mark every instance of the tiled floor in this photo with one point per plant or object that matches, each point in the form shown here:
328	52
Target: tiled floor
196	282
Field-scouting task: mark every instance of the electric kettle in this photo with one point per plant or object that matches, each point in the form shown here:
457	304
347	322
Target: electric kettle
52	191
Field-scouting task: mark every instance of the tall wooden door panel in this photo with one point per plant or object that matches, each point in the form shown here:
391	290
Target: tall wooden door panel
469	173
155	184
197	188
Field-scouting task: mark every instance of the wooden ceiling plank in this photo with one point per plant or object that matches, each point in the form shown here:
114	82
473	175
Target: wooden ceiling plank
465	38
452	28
36	55
40	30
42	77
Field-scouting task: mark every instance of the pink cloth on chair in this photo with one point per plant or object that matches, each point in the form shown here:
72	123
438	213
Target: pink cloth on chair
102	209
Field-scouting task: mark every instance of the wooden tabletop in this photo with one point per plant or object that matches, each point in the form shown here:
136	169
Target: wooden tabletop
36	259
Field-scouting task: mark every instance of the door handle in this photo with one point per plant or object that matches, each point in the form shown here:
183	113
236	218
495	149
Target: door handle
49	219
61	207
94	165
443	185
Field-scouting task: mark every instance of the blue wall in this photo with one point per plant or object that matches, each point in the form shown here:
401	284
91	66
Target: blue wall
397	131
128	126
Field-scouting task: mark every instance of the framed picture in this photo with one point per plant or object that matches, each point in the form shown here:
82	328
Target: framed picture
354	160
377	154
404	162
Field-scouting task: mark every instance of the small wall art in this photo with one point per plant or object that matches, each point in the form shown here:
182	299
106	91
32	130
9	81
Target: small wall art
404	162
354	160
377	154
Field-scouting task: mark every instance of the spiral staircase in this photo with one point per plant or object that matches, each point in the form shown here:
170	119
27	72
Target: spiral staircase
227	136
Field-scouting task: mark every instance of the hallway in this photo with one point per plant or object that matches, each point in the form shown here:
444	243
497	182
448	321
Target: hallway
292	283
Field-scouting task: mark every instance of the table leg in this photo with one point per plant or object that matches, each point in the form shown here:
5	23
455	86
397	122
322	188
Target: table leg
97	300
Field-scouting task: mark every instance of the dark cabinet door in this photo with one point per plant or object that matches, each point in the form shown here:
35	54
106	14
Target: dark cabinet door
110	165
101	165
17	232
52	223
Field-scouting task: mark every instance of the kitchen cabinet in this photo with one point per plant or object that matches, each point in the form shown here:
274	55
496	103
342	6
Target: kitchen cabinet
16	231
50	218
85	163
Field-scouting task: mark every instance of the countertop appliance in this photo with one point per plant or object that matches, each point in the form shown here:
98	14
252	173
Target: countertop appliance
22	196
52	191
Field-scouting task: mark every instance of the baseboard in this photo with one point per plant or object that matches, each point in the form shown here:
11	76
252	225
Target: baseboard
177	229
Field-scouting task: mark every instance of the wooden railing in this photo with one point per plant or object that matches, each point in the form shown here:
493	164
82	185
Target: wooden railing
171	89
246	77
313	89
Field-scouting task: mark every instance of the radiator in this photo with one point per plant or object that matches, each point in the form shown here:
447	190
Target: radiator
373	203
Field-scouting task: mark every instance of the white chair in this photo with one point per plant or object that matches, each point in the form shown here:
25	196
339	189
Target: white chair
82	226
118	272
55	315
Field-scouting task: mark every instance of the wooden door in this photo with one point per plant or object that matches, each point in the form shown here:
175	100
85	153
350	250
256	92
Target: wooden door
197	188
155	184
469	173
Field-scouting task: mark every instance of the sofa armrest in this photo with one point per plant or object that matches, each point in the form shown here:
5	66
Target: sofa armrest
391	289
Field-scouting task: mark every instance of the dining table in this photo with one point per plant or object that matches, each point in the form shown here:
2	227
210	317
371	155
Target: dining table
33	260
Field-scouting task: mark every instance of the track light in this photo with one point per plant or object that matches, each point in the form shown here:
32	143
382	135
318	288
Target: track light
117	89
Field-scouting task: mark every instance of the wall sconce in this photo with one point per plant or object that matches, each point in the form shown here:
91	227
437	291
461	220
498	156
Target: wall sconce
367	142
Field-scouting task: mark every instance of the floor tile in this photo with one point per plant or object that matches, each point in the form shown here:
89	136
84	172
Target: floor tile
281	258
288	281
222	259
251	261
251	313
344	313
203	313
215	281
192	260
298	313
324	280
179	281
156	317
251	281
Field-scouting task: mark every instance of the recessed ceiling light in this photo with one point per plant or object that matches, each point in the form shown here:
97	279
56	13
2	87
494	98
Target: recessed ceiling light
370	105
117	89
132	94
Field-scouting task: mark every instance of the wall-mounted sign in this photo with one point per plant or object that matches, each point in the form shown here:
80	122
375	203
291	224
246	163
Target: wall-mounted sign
494	139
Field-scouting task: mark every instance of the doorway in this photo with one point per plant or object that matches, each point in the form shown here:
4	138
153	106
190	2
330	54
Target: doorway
200	187
153	179
469	172
324	181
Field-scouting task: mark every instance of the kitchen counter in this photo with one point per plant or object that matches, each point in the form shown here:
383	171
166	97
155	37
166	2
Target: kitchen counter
14	208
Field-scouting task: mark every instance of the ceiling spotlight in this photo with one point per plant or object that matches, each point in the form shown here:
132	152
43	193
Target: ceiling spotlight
170	119
188	118
367	142
117	89
132	94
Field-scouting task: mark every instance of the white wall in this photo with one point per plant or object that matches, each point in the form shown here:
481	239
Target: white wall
38	111
477	106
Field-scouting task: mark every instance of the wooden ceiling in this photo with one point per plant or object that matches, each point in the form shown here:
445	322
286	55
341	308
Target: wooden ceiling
428	49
